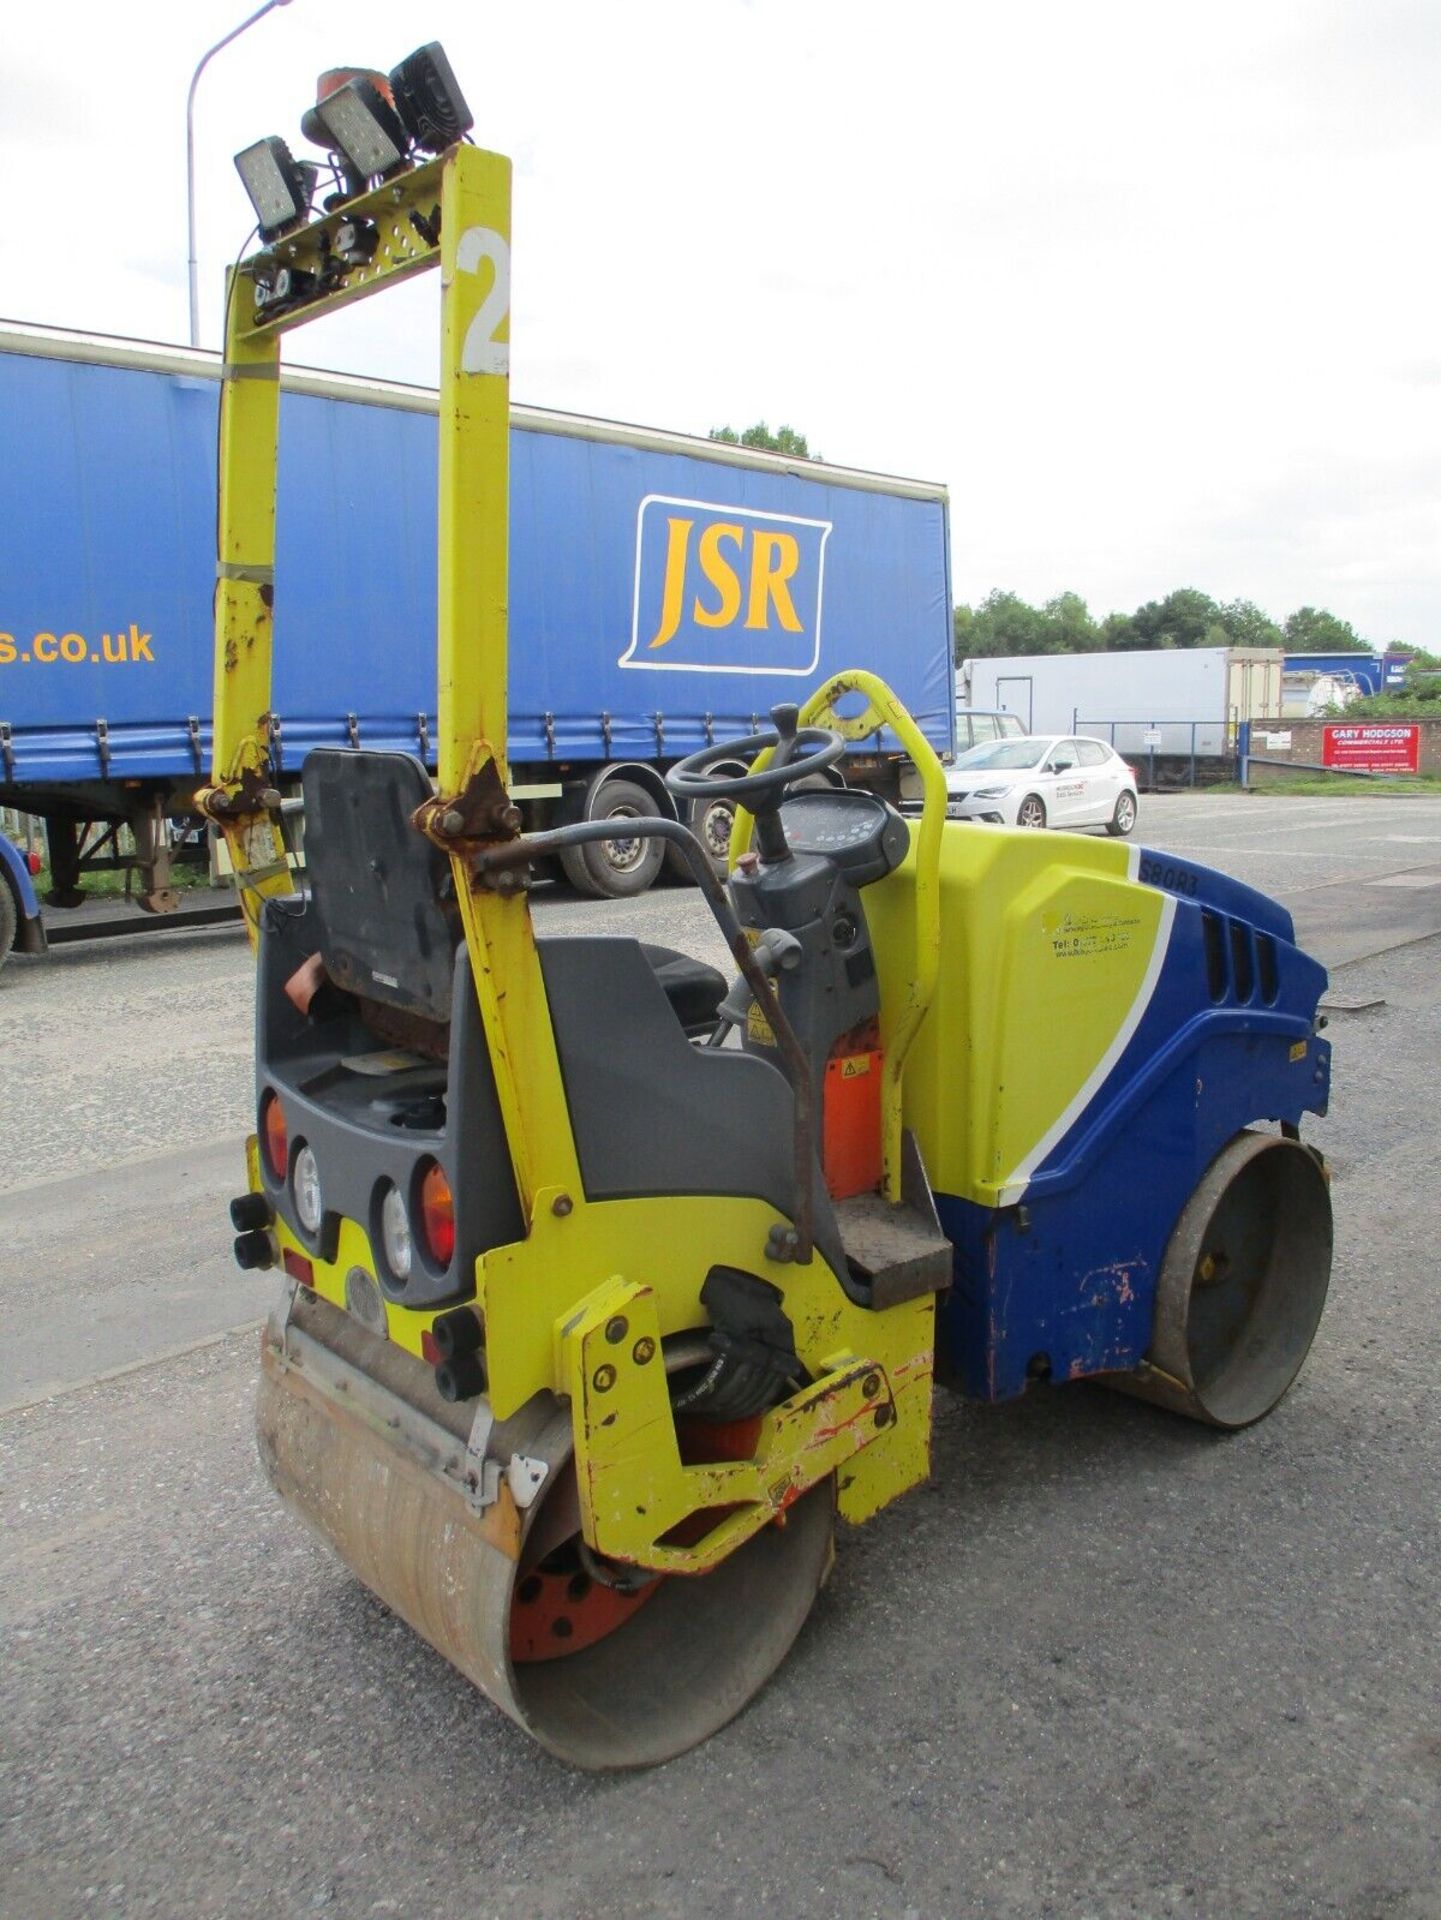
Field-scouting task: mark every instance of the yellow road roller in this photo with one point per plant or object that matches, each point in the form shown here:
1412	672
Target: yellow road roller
611	1283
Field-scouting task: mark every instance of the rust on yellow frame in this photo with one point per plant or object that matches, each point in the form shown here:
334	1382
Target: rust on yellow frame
635	1491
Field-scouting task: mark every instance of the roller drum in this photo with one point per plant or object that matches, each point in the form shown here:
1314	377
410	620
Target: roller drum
1242	1285
380	1474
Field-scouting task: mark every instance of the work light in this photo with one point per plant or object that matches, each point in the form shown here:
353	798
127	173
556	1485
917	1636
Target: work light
428	99
279	187
362	124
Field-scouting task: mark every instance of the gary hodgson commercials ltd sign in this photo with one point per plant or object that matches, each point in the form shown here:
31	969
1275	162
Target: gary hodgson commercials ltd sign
1372	749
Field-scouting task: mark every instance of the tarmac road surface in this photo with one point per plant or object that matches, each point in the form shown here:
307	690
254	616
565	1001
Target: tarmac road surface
1106	1664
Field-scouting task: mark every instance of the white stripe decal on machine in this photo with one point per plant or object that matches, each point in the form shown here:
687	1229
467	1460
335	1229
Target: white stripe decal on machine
1013	1189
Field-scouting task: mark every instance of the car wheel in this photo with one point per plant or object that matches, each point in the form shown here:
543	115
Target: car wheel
1031	812
1124	818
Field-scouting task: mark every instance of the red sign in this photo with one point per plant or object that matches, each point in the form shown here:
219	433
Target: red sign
1372	749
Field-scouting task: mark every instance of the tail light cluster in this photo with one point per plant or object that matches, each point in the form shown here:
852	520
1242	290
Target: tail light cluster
413	1221
421	1221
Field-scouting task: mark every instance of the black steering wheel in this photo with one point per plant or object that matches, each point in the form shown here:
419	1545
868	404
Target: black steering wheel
798	751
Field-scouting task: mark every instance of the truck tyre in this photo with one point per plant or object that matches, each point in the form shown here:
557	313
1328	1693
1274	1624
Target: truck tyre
9	918
710	821
1124	818
1031	812
621	868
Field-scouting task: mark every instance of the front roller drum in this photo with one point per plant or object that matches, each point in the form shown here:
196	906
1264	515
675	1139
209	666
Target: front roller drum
1242	1284
652	1675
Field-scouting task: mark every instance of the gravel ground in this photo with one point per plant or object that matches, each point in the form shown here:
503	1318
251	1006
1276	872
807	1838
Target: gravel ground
1106	1664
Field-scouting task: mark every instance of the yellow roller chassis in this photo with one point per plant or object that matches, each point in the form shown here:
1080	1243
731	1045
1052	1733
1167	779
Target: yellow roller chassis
864	1416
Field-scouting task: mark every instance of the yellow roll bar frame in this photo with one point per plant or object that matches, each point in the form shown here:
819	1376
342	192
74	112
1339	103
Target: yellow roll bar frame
466	195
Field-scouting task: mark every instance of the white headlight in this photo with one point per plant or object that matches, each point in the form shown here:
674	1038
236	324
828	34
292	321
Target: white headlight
305	1185
993	793
395	1233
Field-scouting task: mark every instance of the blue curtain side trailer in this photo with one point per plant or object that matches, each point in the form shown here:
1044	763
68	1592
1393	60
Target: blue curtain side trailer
665	591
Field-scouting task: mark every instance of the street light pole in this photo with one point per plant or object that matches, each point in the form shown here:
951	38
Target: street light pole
205	60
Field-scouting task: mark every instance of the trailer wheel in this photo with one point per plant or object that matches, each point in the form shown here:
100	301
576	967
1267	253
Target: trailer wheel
1124	818
711	822
1031	812
621	868
9	918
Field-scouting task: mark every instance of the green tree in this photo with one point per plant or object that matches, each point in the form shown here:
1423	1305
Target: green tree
784	440
1314	630
1069	627
1182	619
1003	624
963	620
1247	626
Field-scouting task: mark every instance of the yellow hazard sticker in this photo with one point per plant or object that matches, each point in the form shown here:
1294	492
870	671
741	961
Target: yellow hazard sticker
855	1065
1298	1051
758	1028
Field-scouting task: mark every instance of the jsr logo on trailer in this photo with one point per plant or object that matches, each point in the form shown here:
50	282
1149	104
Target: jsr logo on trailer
725	589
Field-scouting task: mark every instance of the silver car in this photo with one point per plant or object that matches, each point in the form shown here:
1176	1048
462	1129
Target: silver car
1049	780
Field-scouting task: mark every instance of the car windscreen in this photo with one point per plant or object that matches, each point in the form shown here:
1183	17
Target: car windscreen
1000	755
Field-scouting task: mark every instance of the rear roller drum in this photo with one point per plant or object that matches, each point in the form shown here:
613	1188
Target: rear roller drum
605	1666
609	1670
1242	1285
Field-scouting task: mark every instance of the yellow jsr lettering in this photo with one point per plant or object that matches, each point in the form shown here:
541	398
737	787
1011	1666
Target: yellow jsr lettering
7	649
677	546
720	573
774	559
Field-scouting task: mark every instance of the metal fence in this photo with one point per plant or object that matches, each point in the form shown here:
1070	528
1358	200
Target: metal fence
1167	752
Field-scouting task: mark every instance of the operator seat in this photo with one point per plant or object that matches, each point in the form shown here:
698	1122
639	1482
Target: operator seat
384	897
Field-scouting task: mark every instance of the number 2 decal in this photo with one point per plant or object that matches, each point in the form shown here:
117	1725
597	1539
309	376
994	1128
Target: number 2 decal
482	352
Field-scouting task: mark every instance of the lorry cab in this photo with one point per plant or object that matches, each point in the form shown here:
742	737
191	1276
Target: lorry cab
977	726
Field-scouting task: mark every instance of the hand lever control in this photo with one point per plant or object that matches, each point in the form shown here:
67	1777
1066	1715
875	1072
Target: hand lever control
785	718
770	838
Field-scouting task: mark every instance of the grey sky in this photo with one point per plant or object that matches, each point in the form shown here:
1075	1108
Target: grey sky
1154	289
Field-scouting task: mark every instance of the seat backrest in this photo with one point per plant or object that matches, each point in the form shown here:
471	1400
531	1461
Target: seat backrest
381	892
